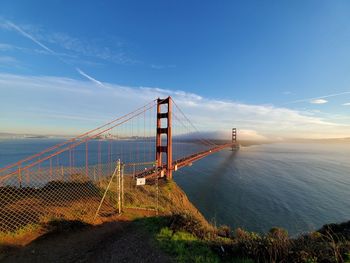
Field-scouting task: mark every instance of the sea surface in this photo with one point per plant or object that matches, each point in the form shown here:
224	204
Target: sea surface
298	186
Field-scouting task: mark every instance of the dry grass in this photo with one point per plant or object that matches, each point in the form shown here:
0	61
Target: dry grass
29	210
184	222
66	200
276	246
21	236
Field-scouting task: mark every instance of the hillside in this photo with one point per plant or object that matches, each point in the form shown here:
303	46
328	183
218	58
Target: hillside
63	240
179	233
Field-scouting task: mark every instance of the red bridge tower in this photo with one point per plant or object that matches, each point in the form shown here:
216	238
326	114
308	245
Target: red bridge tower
167	131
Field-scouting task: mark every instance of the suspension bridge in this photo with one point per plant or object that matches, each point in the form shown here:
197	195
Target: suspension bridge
150	142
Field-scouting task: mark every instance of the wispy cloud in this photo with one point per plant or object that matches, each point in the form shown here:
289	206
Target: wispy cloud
81	98
113	52
84	51
11	25
318	98
10	47
89	77
318	101
27	35
8	60
6	47
346	104
43	84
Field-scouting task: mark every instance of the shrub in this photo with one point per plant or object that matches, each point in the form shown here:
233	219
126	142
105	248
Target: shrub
185	246
224	231
276	246
272	247
188	223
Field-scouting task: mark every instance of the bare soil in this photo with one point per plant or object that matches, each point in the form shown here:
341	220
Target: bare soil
119	241
116	239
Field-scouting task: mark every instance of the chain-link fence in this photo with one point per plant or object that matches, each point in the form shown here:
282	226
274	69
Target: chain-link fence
140	193
130	192
42	193
46	192
80	179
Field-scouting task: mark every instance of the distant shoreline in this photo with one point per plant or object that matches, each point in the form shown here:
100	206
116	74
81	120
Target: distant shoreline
244	143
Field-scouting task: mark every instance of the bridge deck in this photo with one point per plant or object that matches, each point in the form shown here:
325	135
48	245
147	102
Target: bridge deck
188	160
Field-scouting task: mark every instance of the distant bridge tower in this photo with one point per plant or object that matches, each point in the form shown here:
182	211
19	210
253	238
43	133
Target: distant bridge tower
234	138
167	131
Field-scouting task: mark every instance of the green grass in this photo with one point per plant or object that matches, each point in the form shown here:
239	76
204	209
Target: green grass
347	257
181	245
152	224
185	246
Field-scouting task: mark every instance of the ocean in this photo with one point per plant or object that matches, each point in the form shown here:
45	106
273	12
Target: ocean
297	186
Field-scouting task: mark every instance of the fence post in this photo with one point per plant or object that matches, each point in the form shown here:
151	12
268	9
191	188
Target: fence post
105	193
123	185
157	208
50	168
118	176
62	173
86	160
19	177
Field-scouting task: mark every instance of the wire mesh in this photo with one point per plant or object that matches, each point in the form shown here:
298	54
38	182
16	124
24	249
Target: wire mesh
69	180
43	193
142	195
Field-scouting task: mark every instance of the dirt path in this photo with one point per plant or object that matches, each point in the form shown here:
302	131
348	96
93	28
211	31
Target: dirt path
110	242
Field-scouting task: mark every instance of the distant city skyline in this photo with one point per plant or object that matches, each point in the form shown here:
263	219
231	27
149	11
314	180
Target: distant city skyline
274	70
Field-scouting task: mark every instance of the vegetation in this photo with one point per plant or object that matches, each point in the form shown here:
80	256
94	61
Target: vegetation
20	234
181	231
276	246
184	237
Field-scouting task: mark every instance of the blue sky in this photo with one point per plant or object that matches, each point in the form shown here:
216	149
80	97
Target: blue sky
276	68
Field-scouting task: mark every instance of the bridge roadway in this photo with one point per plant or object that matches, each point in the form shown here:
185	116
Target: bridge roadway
186	161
